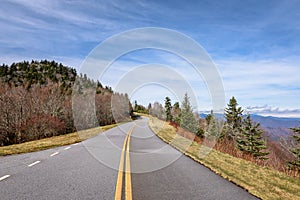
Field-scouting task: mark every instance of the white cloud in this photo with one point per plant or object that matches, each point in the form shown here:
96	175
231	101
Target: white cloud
67	30
273	82
273	111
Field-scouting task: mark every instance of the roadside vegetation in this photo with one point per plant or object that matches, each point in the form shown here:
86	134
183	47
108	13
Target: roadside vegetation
37	101
55	141
241	151
295	164
261	181
235	134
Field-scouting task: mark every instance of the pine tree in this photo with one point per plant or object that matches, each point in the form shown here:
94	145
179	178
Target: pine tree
233	113
209	116
296	151
213	129
228	132
250	139
188	119
176	113
168	109
135	107
149	107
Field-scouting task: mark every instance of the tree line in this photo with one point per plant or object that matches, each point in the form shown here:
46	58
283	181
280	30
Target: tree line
236	128
36	101
41	72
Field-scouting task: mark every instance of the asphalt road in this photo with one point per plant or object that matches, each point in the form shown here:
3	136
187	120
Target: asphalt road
90	170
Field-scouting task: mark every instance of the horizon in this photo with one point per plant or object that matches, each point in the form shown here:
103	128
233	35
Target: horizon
254	45
257	114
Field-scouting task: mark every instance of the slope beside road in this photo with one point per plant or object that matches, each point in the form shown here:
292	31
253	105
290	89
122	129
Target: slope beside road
90	170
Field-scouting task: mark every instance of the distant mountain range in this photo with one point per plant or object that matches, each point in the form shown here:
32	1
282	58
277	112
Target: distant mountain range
274	127
276	122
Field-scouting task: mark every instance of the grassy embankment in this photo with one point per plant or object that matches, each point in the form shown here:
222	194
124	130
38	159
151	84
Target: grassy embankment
54	141
263	182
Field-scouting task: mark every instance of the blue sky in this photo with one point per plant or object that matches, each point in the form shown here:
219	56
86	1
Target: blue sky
254	44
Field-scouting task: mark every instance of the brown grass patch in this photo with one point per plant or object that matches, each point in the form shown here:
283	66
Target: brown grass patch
263	182
55	141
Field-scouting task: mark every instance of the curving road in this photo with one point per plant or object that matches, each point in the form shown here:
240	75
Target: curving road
93	169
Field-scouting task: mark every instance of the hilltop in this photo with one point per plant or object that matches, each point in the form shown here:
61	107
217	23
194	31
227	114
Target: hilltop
37	72
36	101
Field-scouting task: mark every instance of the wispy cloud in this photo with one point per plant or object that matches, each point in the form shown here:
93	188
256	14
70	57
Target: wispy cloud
42	29
272	82
255	44
273	111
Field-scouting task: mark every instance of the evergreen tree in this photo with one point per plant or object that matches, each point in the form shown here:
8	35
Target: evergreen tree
135	107
213	129
250	139
209	116
176	112
168	109
233	113
42	73
149	107
228	132
188	119
296	151
139	108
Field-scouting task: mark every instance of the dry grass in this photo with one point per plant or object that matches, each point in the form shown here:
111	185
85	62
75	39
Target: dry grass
263	182
55	141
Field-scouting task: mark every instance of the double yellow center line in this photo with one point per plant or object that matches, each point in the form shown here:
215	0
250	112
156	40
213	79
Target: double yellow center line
119	185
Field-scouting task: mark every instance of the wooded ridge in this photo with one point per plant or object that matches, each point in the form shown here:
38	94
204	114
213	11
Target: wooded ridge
36	101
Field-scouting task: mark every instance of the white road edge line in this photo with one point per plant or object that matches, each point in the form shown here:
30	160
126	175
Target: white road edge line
36	162
4	177
75	144
67	148
54	154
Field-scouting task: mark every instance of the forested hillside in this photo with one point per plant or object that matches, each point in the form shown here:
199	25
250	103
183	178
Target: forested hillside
36	101
42	73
